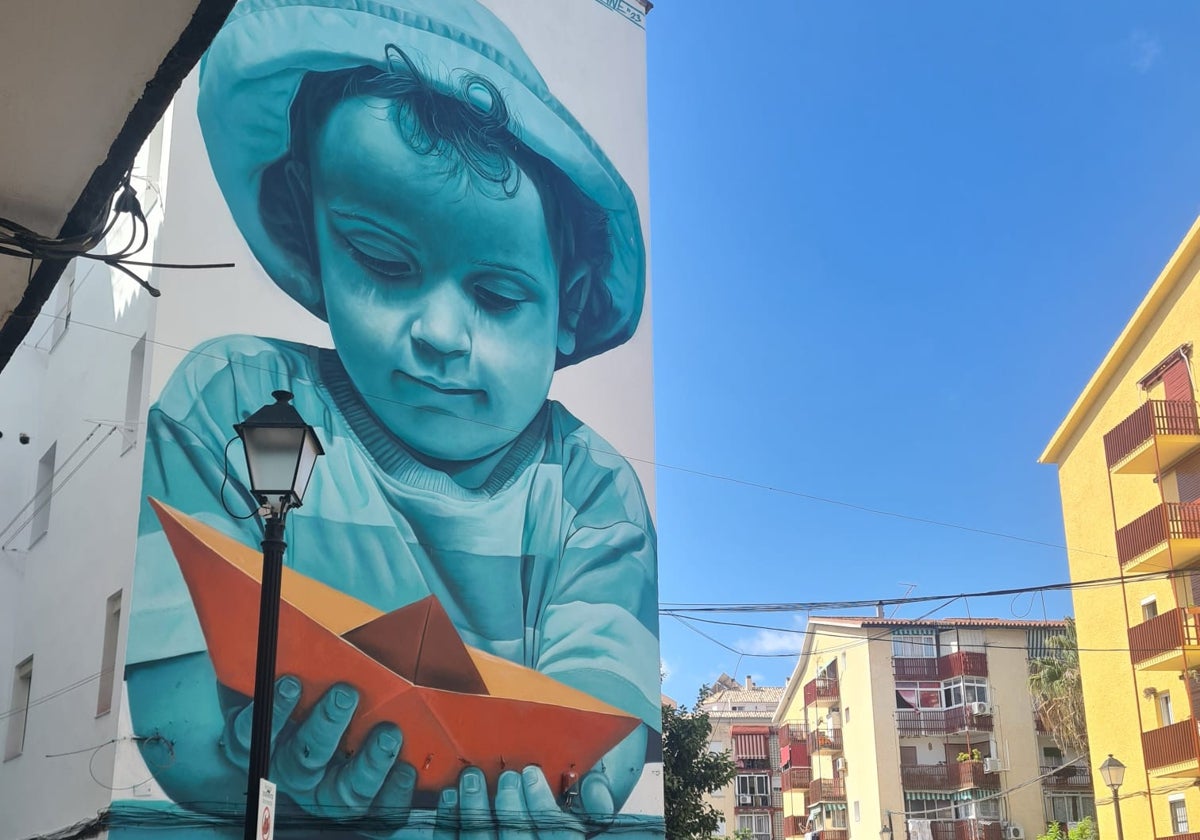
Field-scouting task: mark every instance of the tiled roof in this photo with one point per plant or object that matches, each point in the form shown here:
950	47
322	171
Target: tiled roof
765	694
875	621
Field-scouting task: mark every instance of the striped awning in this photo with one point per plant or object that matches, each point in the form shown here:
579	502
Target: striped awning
750	745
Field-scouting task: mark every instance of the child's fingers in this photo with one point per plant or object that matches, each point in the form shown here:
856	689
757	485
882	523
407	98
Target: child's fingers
239	725
512	817
348	789
300	761
474	810
393	803
551	821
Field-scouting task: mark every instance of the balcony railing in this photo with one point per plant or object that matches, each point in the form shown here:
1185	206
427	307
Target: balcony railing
957	664
916	723
1178	743
835	834
795	826
1155	417
797	778
826	790
965	830
1067	777
1169	521
828	739
1164	633
754	800
963	663
915	668
821	689
962	775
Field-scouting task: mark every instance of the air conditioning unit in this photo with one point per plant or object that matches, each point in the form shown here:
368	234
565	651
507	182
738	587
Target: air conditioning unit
979	708
839	766
1013	832
991	765
745	799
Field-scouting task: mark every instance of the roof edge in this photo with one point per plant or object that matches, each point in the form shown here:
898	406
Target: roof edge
1163	285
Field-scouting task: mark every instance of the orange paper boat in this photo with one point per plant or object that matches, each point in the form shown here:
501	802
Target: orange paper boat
456	705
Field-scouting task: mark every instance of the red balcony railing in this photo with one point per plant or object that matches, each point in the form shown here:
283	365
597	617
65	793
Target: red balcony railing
1174	744
1163	634
916	723
828	739
963	663
965	830
795	826
826	790
963	775
1155	417
797	778
971	775
835	834
821	688
1171	520
915	668
1067	777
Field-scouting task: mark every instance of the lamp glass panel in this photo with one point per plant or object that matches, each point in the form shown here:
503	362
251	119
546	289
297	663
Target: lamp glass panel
310	450
272	455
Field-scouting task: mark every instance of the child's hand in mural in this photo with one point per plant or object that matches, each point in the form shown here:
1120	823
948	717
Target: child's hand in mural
307	765
525	808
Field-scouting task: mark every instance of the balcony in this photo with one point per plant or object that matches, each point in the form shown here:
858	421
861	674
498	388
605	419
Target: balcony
826	790
962	663
795	826
1163	537
1067	777
965	830
1153	437
917	723
797	778
822	692
752	802
828	739
1167	642
793	745
962	775
1173	750
957	664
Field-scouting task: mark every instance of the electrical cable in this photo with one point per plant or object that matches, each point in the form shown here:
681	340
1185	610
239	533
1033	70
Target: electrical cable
50	481
613	454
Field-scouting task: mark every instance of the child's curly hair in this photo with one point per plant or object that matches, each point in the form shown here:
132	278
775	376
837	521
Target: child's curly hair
467	126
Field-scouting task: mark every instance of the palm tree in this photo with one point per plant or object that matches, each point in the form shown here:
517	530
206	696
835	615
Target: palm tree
1057	691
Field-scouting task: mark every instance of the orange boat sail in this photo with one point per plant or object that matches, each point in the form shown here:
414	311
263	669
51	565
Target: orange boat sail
456	705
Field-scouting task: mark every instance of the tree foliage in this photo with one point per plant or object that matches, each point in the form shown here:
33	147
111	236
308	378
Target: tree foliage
1084	830
690	770
1057	690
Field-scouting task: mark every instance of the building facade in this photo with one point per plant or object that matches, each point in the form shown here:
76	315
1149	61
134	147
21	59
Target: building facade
924	729
741	715
1128	458
486	413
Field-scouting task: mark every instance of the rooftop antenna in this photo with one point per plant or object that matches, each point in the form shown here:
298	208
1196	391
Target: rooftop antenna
909	588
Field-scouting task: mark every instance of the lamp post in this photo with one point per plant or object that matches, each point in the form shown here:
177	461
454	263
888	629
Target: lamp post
281	451
885	832
1113	773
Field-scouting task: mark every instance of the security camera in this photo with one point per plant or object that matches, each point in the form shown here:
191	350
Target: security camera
23	438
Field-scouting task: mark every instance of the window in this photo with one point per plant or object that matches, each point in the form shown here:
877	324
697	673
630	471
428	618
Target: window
133	393
846	714
918	695
64	297
914	647
1052	757
753	785
721	827
717	747
965	640
1149	609
18	710
961	690
40	523
759	825
1179	820
1065	807
1165	714
108	656
857	812
983	809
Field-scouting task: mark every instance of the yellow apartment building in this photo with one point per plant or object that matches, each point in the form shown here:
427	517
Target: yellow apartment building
741	714
1128	457
922	730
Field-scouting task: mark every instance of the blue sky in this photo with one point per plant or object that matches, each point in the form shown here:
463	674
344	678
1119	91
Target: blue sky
890	244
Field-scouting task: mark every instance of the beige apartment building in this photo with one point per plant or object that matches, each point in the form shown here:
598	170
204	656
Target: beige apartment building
922	730
741	714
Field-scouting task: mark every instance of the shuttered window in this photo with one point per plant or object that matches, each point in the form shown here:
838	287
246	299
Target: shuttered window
1177	384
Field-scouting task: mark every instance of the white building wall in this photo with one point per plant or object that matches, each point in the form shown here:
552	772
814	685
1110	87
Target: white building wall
54	590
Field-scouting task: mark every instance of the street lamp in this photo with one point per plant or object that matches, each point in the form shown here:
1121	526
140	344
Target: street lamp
281	451
1113	773
885	833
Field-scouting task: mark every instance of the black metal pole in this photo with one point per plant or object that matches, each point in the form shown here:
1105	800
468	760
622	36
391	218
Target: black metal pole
1117	808
264	669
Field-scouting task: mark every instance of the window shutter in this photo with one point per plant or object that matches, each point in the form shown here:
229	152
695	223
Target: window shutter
1177	384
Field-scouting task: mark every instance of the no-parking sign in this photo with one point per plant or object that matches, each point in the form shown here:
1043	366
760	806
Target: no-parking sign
266	809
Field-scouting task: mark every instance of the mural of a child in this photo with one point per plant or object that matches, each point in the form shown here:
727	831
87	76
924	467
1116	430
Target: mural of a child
400	169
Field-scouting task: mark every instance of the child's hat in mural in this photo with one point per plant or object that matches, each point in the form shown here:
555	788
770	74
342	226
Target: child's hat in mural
252	71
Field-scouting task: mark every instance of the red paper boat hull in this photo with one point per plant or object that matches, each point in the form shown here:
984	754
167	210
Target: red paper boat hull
444	731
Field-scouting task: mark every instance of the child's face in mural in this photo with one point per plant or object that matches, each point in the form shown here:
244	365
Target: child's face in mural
443	298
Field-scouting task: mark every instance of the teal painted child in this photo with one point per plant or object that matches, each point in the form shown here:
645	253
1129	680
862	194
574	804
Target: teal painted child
464	238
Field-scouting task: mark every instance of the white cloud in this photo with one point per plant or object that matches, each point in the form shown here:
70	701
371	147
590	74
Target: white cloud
773	641
1144	50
